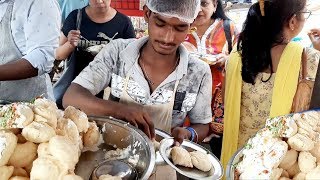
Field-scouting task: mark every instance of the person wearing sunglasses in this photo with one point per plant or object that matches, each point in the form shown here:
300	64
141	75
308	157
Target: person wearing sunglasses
268	75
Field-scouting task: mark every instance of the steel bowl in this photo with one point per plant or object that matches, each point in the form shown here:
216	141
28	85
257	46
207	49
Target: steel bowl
231	166
118	134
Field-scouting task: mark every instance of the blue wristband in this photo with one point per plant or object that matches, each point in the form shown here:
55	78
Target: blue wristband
191	130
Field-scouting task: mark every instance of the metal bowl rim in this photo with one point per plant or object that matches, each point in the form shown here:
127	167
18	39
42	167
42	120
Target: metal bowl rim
102	162
4	102
230	164
162	133
159	159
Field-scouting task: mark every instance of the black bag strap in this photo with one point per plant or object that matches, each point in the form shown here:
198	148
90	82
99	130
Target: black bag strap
78	22
79	19
315	97
227	31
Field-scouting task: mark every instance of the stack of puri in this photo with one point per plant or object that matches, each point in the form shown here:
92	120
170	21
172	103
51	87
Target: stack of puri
40	142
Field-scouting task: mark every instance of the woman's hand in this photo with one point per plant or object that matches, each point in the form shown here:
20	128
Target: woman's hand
221	60
74	37
314	36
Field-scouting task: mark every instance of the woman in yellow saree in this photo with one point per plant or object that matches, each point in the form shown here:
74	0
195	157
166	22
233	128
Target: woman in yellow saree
267	75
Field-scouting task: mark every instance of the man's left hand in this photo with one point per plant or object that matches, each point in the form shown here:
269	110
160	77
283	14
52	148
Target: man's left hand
179	134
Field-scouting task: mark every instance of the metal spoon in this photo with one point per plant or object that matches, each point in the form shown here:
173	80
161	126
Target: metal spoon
115	168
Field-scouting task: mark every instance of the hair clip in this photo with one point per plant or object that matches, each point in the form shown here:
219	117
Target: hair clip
261	4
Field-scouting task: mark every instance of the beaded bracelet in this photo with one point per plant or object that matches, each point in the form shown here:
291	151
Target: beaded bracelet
193	134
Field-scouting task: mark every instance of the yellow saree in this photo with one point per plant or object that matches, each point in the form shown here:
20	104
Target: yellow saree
285	86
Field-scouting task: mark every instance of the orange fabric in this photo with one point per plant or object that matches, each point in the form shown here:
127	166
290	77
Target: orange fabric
217	78
216	43
216	40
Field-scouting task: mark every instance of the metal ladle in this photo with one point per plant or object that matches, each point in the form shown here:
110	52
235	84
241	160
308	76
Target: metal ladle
115	168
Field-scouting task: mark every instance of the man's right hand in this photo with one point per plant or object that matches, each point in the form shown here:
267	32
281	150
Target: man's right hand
74	37
138	117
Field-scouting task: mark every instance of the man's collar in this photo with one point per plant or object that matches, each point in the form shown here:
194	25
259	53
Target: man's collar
2	1
132	51
184	61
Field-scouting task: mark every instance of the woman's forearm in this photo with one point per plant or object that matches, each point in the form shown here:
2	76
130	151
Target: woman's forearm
64	51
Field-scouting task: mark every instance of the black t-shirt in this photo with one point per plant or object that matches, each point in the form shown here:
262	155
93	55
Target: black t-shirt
120	26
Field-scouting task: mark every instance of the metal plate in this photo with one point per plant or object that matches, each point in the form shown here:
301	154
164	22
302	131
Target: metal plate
160	135
193	173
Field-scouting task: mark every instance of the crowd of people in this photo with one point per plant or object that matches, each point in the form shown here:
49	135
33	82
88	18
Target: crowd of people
164	80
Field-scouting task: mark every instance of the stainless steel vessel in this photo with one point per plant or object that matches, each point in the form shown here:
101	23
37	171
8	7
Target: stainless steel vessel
231	166
118	134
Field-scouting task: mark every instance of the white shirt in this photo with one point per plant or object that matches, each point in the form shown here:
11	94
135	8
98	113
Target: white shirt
35	28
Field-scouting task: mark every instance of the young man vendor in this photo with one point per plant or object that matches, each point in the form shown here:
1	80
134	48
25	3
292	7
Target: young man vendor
154	82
